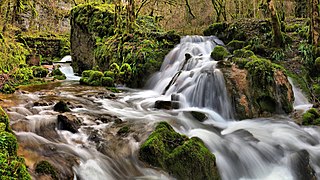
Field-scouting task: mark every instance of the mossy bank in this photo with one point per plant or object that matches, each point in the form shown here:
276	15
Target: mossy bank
96	43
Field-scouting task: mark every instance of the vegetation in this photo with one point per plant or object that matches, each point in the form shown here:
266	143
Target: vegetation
311	117
219	53
11	166
44	167
182	157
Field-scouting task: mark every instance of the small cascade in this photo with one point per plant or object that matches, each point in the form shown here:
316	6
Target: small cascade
188	70
300	101
65	68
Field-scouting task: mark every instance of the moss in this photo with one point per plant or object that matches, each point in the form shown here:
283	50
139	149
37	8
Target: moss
317	63
124	130
261	72
60	77
182	157
219	53
107	81
57	72
243	53
8	89
267	104
8	143
215	29
39	71
316	89
45	168
311	117
13	167
109	74
4	119
86	73
235	44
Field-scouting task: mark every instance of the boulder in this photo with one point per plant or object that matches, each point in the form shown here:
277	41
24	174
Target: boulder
180	156
256	87
69	123
61	106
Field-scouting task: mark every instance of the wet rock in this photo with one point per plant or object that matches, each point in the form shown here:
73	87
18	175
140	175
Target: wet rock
95	136
124	131
68	123
45	168
61	106
109	118
182	157
301	166
199	115
21	125
41	103
163	104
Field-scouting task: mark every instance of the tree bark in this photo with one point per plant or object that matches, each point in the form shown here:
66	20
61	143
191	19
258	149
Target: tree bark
278	39
315	22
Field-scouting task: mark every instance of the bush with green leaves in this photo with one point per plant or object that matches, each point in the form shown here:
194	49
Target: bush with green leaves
311	117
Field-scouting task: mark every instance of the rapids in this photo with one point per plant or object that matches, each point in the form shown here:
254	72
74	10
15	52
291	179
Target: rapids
264	148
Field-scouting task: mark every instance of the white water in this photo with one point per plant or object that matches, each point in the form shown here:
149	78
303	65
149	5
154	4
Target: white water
264	148
66	68
300	101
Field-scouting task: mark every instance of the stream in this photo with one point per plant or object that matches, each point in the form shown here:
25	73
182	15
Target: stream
262	148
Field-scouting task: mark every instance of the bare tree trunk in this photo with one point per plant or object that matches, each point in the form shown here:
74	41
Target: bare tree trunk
278	39
315	22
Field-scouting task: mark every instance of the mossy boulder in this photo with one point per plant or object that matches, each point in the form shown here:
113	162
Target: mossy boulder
45	168
256	86
107	81
57	74
311	117
61	106
39	71
235	44
11	166
219	53
180	156
4	119
8	88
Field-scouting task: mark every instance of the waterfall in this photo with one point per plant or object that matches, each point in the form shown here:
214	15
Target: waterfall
188	70
65	67
300	101
261	148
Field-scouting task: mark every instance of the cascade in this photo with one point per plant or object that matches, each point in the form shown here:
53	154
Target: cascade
65	67
261	148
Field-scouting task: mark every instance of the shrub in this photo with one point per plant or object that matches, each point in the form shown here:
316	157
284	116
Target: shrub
39	71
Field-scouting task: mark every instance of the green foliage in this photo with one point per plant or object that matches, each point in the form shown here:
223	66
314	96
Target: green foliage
235	44
219	53
4	119
243	53
57	74
107	81
317	63
45	168
278	55
215	29
11	55
182	157
13	167
109	74
306	51
8	89
23	75
8	143
39	71
311	117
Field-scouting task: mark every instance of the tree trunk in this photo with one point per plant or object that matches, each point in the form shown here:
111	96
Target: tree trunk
278	39
315	22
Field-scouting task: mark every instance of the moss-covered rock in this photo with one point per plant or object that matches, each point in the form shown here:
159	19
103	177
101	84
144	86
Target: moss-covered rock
235	44
8	89
4	119
39	71
311	117
257	87
107	81
57	74
143	49
182	157
219	53
11	166
45	168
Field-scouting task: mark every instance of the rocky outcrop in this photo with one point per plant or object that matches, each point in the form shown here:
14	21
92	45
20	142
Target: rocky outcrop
182	157
256	87
95	44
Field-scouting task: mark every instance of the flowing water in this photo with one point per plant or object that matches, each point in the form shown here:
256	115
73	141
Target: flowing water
65	68
264	148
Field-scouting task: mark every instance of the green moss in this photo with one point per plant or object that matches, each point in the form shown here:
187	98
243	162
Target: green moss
107	81
109	74
86	73
8	143
182	157
45	168
4	119
60	77
261	72
39	71
219	53
124	130
235	44
13	167
317	63
7	89
311	117
215	29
